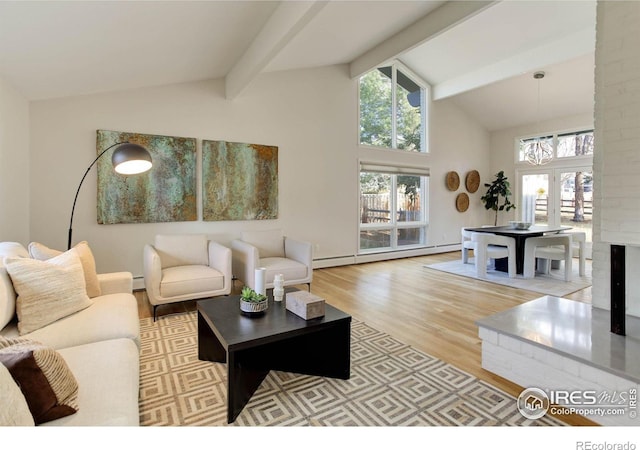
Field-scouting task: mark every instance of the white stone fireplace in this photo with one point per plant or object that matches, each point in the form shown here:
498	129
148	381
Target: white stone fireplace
617	150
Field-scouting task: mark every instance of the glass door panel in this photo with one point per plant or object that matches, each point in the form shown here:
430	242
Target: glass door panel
576	200
535	198
562	196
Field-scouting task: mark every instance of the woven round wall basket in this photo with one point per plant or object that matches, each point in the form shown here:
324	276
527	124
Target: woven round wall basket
462	202
472	181
453	180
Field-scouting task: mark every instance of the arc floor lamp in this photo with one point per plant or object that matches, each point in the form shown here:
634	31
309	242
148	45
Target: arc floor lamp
127	159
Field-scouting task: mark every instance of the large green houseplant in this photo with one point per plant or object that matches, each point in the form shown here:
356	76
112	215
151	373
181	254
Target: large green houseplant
498	191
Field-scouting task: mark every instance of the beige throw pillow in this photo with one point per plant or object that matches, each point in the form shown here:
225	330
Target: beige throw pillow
47	290
46	382
42	253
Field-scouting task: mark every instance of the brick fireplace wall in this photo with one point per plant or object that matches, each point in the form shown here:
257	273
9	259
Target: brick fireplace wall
617	148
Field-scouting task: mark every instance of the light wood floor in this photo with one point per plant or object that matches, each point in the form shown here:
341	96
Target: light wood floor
428	309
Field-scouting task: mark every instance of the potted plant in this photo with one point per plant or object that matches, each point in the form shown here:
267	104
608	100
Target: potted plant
499	190
252	302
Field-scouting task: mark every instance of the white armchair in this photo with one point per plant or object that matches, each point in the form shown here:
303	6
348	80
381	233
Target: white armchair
276	253
185	267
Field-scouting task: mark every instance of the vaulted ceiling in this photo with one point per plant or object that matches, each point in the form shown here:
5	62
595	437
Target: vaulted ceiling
480	54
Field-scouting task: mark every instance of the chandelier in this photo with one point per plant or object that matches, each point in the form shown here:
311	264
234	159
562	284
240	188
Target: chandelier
538	151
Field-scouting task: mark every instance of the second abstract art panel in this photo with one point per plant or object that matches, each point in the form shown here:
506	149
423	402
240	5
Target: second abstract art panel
239	181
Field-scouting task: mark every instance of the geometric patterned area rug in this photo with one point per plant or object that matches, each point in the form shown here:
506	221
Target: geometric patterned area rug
549	284
391	384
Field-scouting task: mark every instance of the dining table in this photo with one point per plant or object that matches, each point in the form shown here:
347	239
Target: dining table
520	236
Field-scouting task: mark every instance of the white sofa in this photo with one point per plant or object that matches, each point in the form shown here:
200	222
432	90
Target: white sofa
100	345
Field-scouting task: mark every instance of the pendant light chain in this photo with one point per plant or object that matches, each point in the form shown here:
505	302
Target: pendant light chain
538	151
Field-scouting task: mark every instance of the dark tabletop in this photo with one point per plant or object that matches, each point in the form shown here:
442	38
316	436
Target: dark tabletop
236	330
534	230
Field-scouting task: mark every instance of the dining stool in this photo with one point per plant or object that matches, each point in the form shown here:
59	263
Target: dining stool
491	246
556	247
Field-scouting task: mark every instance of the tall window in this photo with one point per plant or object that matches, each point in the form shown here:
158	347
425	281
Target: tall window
564	145
392	110
393	209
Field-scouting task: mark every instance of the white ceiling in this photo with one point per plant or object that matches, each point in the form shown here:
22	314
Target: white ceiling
55	49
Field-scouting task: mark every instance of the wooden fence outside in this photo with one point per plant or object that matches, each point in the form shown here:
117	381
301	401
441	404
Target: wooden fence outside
375	208
567	208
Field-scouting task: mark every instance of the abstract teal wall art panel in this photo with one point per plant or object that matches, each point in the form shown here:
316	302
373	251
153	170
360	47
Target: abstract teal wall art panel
166	193
239	181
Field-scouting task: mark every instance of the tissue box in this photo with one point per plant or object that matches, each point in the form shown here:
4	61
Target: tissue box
305	304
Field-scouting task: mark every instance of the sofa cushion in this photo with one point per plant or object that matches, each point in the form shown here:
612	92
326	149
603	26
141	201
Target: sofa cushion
43	253
47	383
47	290
185	280
108	373
270	243
15	410
182	249
109	317
7	293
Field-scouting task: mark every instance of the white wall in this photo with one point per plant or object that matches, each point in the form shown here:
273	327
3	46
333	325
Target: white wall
311	115
458	143
14	164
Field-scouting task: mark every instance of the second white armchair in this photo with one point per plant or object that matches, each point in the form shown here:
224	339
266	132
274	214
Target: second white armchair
276	253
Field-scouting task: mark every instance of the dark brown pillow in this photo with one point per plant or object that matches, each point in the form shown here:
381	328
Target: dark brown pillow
44	378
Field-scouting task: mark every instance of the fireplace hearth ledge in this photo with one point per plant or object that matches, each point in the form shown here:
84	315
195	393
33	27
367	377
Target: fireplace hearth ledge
555	343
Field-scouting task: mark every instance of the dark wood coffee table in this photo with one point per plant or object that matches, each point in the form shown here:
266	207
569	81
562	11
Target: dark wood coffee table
276	340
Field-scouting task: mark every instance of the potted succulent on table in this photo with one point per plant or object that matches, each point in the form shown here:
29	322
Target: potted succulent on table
252	302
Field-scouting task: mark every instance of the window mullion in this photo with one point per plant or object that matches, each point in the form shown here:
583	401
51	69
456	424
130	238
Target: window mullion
393	213
394	107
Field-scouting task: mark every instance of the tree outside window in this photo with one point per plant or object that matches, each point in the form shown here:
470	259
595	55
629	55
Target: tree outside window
392	110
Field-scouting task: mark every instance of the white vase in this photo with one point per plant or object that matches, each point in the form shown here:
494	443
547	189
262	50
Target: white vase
278	287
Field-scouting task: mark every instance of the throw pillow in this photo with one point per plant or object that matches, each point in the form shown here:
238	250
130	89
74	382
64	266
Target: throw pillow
49	387
47	290
43	253
15	410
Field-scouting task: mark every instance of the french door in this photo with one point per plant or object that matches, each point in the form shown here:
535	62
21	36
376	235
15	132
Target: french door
558	196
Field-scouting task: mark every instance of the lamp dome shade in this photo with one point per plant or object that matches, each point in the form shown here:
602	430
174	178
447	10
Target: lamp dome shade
130	159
